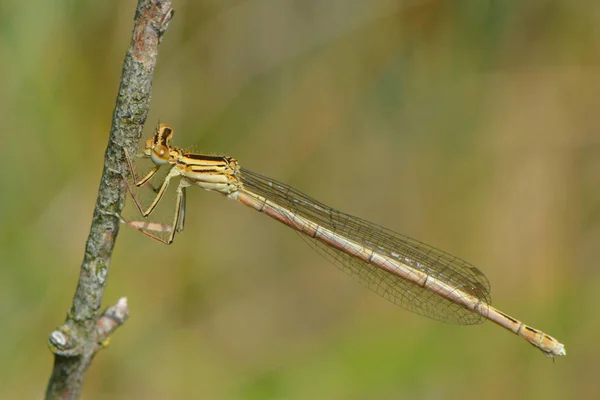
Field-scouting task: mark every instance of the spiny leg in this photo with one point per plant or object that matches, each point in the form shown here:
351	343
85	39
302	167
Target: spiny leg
145	226
137	183
161	192
178	219
173	172
132	170
181	197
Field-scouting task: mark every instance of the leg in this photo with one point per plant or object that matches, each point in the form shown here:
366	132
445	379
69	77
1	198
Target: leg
137	183
132	170
161	191
172	173
178	218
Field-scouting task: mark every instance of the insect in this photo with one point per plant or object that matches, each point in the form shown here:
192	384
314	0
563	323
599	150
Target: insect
412	274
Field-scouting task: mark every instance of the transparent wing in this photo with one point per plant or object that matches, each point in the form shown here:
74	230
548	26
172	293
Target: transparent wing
434	262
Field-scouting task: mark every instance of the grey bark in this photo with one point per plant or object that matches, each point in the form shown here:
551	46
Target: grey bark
85	331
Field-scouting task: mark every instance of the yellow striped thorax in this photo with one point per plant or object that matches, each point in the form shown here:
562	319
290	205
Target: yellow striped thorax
211	172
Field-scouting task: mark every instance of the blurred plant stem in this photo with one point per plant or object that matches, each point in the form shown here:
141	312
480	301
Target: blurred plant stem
85	331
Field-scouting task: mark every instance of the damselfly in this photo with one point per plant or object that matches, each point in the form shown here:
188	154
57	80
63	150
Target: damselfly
407	272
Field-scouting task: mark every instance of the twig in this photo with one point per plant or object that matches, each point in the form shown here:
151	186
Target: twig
84	331
110	320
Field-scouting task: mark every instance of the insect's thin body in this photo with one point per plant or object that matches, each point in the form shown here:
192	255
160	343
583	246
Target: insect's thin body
407	272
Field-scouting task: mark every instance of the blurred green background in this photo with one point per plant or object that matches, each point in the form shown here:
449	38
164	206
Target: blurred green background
471	125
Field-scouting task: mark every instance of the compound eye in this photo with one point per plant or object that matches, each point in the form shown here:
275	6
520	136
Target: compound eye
160	154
